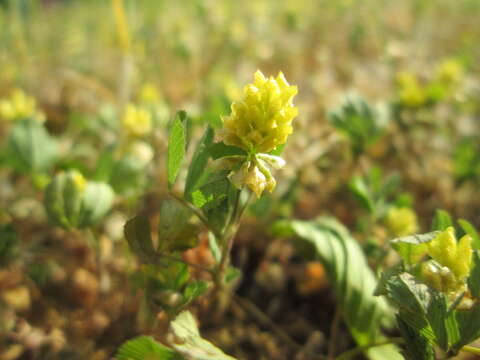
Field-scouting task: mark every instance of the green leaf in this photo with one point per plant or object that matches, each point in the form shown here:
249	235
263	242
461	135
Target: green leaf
428	312
193	290
470	230
146	348
189	343
360	189
72	202
62	200
437	315
362	123
474	278
416	239
127	175
353	280
9	244
468	326
442	220
418	347
412	248
199	163
466	159
174	231
452	329
30	148
412	298
138	234
175	275
177	144
220	149
214	190
105	164
233	273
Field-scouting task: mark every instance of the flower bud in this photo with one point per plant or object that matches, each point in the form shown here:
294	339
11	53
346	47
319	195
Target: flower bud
255	175
401	221
73	202
440	277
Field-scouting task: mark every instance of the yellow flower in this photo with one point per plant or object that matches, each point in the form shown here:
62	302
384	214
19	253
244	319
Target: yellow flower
20	106
449	72
440	278
410	91
401	221
262	120
78	180
456	256
149	94
255	172
136	121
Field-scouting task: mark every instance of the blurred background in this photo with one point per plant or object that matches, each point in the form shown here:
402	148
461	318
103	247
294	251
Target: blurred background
388	119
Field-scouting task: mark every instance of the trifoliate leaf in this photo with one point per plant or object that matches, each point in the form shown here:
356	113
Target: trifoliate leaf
353	280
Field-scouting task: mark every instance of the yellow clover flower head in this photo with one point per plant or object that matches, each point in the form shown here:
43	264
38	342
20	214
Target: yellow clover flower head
20	106
456	256
401	221
149	94
449	72
410	90
258	124
136	121
262	120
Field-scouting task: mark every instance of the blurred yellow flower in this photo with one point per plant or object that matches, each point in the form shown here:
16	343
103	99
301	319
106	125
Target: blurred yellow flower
449	72
78	180
456	256
136	121
410	90
20	106
262	120
401	221
149	94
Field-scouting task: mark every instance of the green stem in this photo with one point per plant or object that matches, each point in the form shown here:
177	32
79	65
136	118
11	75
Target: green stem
471	349
197	213
350	354
227	240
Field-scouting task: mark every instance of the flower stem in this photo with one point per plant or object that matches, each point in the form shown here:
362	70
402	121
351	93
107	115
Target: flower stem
227	241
